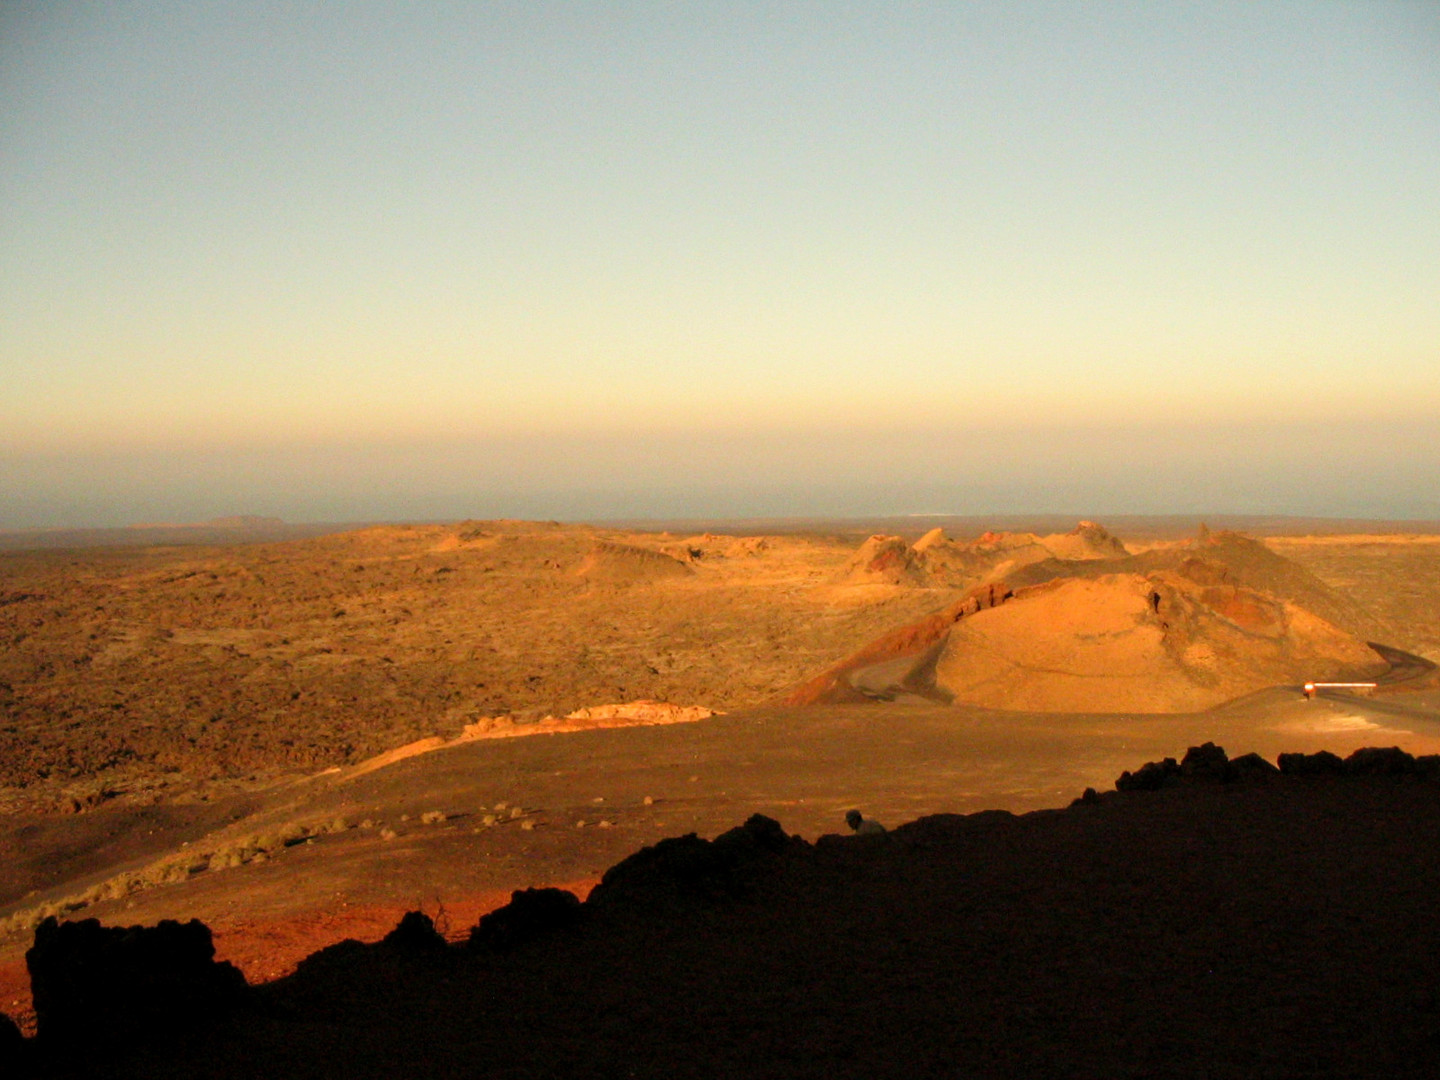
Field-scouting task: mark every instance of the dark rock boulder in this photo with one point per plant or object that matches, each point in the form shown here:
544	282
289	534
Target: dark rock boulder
415	933
531	913
1323	763
1202	764
932	831
98	987
1252	767
12	1049
1151	776
341	956
1380	761
687	869
1207	762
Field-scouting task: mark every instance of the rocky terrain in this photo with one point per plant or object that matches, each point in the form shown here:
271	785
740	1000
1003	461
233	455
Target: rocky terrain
299	741
1209	918
1393	576
137	674
190	672
934	559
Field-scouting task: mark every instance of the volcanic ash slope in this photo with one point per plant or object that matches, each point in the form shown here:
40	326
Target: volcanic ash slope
1158	642
625	564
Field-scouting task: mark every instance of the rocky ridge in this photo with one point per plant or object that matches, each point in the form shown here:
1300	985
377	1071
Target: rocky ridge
1132	934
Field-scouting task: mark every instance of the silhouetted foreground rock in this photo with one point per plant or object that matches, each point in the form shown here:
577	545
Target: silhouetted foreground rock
415	933
98	989
683	871
1227	919
14	1058
531	913
1209	763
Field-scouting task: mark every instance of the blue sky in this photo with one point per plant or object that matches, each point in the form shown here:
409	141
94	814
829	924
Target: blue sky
587	260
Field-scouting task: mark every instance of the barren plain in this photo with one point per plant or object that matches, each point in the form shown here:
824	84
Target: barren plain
186	730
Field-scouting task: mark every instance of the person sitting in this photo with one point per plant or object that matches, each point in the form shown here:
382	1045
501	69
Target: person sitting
863	826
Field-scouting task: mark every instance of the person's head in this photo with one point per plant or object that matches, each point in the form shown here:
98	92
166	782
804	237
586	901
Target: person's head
853	818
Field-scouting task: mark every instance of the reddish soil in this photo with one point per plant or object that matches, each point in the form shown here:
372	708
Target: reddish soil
267	949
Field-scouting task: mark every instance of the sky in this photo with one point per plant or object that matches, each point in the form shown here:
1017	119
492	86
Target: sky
432	261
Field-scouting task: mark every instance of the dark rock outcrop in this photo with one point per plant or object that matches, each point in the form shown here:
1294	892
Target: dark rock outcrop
687	869
1115	939
1151	776
1380	761
415	933
1252	767
1322	763
97	987
12	1049
531	914
1207	763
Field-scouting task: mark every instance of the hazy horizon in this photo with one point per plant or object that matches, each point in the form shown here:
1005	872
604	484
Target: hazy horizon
1383	471
639	260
